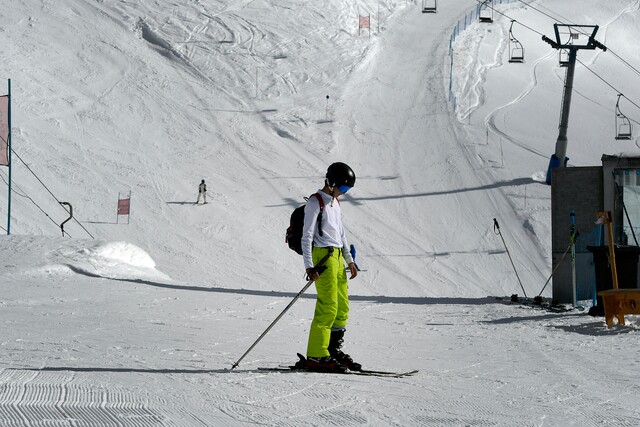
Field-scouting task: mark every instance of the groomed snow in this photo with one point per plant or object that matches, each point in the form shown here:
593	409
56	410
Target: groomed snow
140	325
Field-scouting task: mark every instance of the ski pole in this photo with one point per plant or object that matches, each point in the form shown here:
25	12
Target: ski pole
554	271
320	267
497	227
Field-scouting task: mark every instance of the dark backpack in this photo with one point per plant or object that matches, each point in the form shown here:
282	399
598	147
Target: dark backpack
296	224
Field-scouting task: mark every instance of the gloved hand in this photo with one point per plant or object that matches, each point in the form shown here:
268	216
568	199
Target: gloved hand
312	274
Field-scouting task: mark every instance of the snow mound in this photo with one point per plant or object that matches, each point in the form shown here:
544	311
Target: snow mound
117	253
112	260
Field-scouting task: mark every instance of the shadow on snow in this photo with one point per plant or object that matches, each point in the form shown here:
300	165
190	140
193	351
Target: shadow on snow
361	298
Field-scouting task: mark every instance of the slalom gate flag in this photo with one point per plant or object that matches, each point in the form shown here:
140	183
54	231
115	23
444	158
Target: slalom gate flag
123	206
4	130
365	21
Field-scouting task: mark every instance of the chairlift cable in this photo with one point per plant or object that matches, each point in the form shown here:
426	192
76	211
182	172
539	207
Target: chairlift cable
608	84
623	61
542	34
16	190
511	19
527	27
47	188
561	21
555	19
32	201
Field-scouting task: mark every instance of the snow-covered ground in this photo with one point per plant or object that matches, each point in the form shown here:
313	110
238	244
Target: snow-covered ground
140	325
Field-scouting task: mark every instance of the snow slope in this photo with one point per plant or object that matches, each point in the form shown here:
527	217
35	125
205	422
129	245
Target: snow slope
140	325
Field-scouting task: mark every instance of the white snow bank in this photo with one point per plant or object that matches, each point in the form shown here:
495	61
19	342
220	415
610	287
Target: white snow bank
122	253
55	256
114	260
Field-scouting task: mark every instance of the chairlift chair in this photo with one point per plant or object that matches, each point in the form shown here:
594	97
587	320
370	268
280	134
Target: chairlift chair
429	6
485	14
563	57
623	124
516	51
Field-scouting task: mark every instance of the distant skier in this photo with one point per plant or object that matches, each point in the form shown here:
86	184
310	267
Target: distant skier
332	306
202	191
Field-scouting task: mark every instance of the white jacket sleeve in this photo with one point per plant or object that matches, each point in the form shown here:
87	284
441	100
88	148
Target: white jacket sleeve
311	211
346	248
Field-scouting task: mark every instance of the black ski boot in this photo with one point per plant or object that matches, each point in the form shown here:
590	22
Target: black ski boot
335	343
319	364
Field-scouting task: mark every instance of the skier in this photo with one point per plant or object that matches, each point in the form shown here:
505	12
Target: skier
202	191
332	306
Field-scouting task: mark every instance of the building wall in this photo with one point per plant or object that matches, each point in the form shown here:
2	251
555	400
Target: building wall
580	189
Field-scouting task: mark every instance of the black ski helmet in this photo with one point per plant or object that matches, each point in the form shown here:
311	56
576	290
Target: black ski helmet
340	174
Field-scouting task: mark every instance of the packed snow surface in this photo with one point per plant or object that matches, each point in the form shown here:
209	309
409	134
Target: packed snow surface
136	321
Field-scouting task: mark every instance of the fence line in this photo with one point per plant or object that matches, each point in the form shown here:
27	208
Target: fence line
469	18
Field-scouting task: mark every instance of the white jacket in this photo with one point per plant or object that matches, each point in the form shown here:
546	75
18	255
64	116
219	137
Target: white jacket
332	229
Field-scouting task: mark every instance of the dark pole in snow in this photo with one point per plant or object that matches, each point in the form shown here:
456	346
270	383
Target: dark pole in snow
320	267
497	227
9	159
326	113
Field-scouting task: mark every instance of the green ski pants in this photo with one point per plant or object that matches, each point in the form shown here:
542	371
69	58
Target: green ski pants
332	305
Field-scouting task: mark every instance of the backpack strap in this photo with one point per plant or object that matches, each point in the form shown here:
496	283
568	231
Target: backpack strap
321	202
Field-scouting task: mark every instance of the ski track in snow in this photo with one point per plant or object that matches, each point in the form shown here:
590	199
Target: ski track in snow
462	381
152	97
491	118
41	398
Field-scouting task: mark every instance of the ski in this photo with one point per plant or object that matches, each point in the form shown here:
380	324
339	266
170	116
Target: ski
391	374
364	372
300	367
538	303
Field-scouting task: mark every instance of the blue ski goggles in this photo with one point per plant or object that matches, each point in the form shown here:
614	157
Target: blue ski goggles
344	188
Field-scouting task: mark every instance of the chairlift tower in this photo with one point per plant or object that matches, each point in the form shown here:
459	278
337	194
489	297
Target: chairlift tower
579	37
